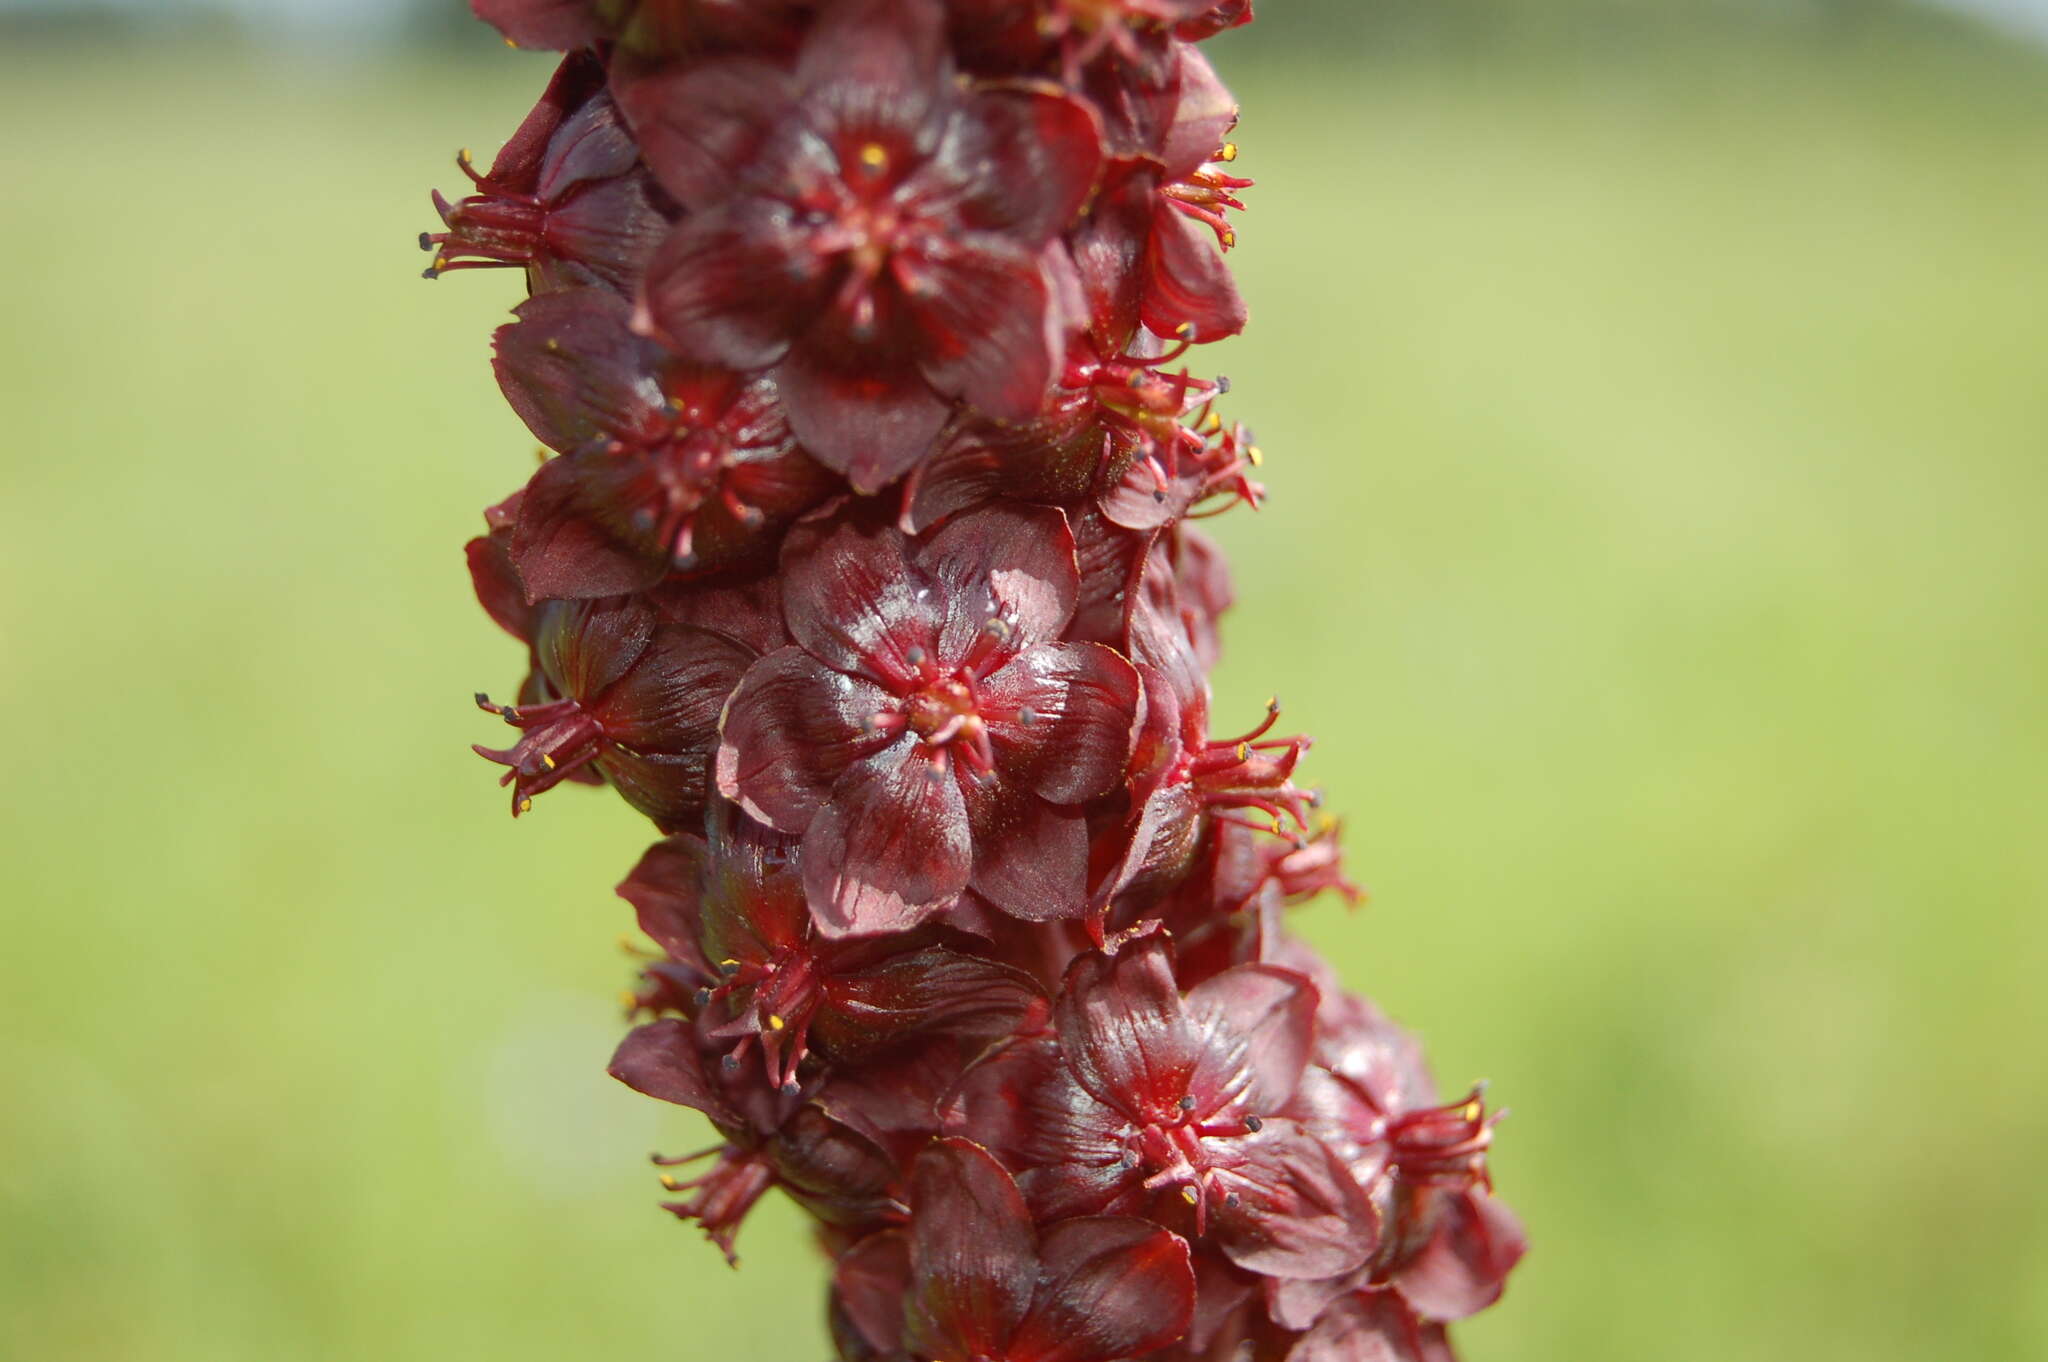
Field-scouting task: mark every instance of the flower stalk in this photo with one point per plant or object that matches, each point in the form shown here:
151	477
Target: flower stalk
862	337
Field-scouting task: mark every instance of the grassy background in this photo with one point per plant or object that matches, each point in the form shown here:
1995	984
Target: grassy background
1657	450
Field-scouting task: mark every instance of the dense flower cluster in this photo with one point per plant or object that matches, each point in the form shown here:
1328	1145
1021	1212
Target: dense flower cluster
863	563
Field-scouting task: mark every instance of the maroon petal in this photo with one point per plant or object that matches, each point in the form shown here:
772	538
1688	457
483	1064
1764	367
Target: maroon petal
971	1253
734	284
853	601
1062	718
497	585
661	1060
1464	1266
560	25
1123	1032
666	889
1367	1326
587	646
1186	281
865	1009
1030	858
832	1170
1016	562
978	302
890	849
887	57
790	730
871	1280
1260	1022
1204	113
861	415
1043	155
573	369
592	144
1111	1287
1288	1208
1108	251
562	552
700	125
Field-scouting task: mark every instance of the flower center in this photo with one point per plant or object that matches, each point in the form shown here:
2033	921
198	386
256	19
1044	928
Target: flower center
942	711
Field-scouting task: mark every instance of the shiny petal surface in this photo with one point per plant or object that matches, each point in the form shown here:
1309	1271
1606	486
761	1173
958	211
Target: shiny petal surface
1015	563
1030	858
972	1254
978	303
661	1060
1111	1287
890	850
1063	719
1123	1032
1289	1208
1258	1027
1464	1266
790	730
932	988
734	284
854	602
870	418
701	125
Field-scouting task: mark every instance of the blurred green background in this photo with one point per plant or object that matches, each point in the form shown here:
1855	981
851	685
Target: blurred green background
1656	415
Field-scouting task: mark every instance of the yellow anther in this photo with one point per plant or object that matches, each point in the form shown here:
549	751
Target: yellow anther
1229	238
1244	751
464	156
552	346
1228	153
776	1023
668	1181
526	806
1191	1196
547	761
874	156
1255	454
628	1001
728	964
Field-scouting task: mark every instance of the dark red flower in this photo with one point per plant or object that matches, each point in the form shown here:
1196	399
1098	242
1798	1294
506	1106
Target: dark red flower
1168	1106
772	1138
1150	248
627	693
878	235
729	908
665	467
973	1280
929	732
1182	777
567	199
1112	432
1450	1243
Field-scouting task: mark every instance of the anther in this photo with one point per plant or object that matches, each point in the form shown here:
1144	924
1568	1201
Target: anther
426	241
874	156
1254	1124
669	1183
1027	716
776	1023
1191	1196
1187	1103
1228	153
